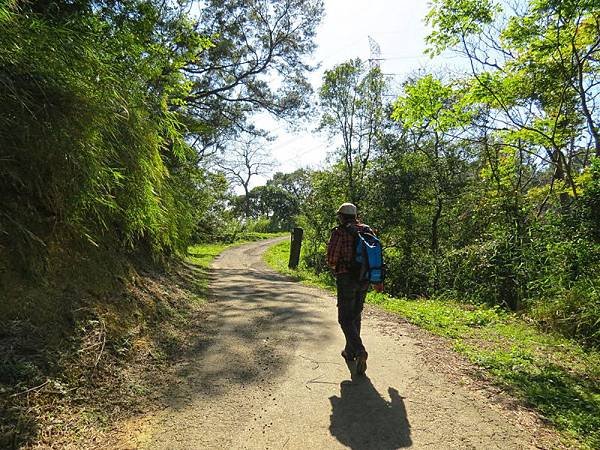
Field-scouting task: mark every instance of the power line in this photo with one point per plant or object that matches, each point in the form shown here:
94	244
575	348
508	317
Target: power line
403	57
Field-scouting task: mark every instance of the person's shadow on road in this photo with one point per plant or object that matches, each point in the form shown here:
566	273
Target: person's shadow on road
362	419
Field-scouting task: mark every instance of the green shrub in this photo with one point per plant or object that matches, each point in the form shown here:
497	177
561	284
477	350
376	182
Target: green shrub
409	273
574	312
483	273
260	225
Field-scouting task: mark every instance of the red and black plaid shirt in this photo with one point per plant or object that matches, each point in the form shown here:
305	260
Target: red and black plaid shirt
340	249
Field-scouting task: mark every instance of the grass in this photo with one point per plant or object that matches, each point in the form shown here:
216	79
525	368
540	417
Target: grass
277	257
202	255
554	375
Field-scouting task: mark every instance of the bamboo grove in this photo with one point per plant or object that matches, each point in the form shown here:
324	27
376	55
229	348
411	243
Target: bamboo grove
109	110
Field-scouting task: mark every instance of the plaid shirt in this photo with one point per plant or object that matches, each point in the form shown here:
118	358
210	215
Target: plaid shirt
340	249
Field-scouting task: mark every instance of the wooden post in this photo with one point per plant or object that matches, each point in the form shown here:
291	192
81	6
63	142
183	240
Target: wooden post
295	247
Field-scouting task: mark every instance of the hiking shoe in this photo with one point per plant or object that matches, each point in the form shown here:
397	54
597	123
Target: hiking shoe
361	363
346	356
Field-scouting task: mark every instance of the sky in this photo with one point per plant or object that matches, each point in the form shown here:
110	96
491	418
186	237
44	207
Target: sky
399	29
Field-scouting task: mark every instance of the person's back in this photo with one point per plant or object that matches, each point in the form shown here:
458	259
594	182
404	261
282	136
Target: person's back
341	254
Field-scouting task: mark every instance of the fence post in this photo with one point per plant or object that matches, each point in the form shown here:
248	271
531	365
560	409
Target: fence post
295	247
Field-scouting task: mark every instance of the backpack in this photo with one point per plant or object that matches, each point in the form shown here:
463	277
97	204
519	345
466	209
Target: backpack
368	256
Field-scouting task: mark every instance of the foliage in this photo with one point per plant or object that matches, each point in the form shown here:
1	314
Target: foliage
318	215
228	81
276	205
484	185
108	109
83	154
451	19
351	104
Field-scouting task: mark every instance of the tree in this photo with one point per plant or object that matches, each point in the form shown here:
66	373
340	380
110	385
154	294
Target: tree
256	63
282	197
536	71
436	115
318	213
351	104
276	204
297	183
245	159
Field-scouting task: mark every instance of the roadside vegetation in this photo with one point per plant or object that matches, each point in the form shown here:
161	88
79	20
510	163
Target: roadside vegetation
556	376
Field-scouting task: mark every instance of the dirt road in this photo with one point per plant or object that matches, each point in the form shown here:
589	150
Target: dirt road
268	374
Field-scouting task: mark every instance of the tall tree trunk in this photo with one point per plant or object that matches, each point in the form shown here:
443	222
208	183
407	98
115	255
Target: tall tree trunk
435	225
581	90
246	201
559	174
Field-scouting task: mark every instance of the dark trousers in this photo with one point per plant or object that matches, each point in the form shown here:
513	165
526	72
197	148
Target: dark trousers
350	301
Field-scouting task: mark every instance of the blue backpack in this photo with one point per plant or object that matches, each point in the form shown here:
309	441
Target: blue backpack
369	257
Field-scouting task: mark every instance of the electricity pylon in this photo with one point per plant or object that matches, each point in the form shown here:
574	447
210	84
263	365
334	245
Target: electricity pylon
374	53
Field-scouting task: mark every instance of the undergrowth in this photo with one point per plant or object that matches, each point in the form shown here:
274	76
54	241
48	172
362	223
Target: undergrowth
554	375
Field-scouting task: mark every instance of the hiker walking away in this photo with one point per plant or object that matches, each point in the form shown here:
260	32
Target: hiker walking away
351	290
